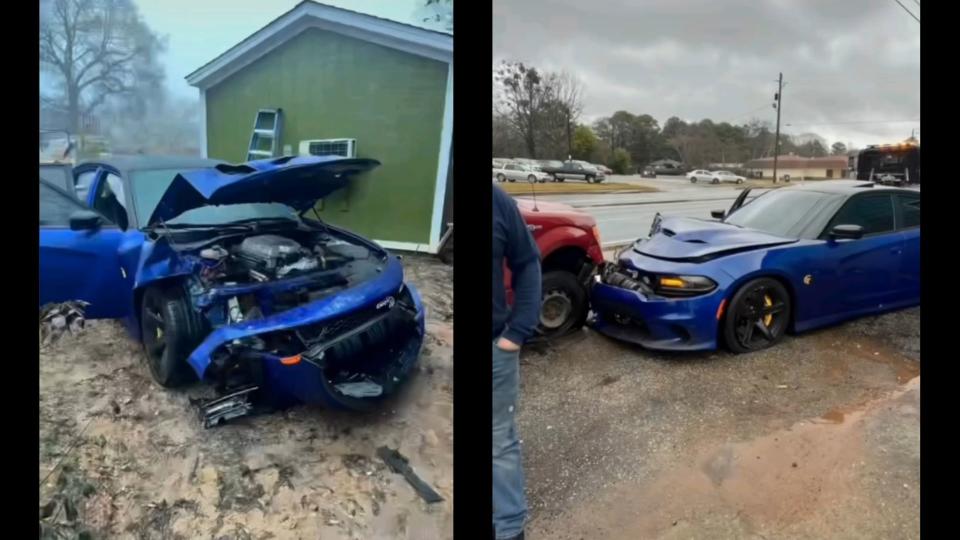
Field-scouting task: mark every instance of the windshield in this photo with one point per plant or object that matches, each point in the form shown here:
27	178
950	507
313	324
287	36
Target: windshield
149	185
787	213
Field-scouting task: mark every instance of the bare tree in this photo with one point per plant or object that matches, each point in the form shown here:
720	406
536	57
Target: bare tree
96	49
436	13
524	97
568	94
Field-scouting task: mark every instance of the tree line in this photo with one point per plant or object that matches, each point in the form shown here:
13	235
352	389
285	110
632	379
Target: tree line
537	114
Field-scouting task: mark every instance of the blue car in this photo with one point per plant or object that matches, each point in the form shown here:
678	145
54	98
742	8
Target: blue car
791	259
223	275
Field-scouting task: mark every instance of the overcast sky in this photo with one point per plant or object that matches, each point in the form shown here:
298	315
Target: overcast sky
842	60
200	30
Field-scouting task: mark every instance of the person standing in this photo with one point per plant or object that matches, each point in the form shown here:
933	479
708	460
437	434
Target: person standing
514	248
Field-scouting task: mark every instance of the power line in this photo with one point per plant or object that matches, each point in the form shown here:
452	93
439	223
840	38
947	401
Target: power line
907	10
856	122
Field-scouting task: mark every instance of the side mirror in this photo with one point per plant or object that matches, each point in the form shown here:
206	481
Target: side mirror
85	220
850	232
718	214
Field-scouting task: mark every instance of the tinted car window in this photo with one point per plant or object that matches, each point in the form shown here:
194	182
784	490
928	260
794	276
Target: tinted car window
909	211
55	207
787	213
872	212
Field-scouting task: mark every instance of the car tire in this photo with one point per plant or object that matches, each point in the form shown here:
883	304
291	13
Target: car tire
739	180
693	179
501	178
590	179
745	326
532	179
563	306
716	181
170	330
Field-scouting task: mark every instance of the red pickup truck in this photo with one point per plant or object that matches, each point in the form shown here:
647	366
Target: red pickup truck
570	251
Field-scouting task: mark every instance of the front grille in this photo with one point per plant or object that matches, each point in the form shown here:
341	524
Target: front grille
327	330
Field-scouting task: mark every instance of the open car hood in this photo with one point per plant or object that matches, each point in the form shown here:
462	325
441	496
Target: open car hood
298	182
694	240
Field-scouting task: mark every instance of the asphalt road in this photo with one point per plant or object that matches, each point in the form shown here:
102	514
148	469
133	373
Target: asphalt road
623	217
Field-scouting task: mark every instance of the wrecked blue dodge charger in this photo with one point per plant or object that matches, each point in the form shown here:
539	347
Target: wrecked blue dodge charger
792	259
223	274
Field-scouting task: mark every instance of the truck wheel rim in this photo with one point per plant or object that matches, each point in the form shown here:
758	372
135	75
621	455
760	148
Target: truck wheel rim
556	309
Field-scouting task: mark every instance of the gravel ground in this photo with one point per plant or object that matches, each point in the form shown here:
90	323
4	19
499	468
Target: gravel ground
121	457
815	438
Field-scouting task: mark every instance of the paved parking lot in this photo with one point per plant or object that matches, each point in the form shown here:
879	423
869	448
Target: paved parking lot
815	438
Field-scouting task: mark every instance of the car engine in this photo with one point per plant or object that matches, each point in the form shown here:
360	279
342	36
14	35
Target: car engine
272	256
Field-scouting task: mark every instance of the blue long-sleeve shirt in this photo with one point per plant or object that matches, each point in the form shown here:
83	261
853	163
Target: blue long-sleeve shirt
513	245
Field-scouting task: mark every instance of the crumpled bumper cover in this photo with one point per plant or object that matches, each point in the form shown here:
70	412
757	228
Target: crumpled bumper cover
329	308
672	324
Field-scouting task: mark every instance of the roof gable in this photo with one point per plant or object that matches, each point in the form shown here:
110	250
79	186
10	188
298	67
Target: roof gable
308	14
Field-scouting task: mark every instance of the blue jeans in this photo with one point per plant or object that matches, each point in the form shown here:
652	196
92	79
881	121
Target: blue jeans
509	502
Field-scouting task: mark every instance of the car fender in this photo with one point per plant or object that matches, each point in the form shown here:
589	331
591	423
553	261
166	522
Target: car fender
752	263
567	236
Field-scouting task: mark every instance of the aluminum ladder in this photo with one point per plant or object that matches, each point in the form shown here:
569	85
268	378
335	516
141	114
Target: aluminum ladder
265	139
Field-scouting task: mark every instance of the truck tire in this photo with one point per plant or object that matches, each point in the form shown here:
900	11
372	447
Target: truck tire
170	330
563	306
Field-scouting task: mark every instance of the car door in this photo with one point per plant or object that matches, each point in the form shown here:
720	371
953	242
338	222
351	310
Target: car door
79	264
861	273
908	223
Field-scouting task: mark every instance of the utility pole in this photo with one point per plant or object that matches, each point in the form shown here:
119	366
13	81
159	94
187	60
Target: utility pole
776	141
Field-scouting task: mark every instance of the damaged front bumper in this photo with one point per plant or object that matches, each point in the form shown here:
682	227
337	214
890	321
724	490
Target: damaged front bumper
652	321
350	349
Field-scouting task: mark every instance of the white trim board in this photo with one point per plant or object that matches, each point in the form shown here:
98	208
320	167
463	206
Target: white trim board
408	246
203	123
443	162
418	41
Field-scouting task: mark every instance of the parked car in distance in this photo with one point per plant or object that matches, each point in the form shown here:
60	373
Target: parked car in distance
576	170
222	274
792	259
513	171
648	173
570	252
544	163
700	175
726	176
668	168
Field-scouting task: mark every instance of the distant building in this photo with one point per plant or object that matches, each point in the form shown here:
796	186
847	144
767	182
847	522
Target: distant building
800	167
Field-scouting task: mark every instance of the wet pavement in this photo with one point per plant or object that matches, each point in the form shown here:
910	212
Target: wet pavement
815	438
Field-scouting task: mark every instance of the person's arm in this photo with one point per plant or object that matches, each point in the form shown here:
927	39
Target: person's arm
523	259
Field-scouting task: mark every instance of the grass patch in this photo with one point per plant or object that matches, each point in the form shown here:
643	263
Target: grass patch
523	188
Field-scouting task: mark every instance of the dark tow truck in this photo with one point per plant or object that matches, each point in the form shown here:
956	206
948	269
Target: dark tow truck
897	164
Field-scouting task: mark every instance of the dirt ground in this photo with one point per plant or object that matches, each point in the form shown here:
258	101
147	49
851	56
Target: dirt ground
816	438
121	457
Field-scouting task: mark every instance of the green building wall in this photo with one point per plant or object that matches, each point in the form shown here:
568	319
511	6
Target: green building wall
334	86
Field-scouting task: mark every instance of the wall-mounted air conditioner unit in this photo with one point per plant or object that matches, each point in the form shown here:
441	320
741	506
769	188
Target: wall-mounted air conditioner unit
329	147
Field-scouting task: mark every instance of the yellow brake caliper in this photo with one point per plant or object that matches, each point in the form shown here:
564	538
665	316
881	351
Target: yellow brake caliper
767	319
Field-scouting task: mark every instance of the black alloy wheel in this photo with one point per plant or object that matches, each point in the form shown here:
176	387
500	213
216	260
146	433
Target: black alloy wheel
757	316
